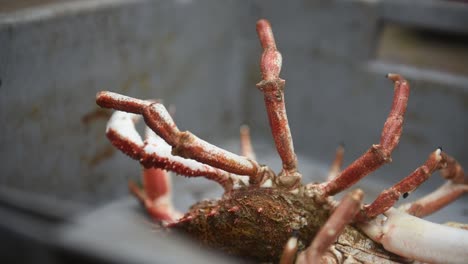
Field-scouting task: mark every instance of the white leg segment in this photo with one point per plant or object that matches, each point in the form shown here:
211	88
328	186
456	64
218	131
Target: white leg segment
418	239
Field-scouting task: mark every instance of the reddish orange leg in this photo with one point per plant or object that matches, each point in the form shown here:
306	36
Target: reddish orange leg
389	197
273	89
155	152
184	144
157	183
156	196
246	143
156	193
447	193
327	235
379	154
289	251
337	163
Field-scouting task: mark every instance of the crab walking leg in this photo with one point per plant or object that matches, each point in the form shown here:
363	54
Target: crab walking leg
185	144
246	143
457	225
454	171
418	239
157	153
157	183
154	152
121	102
447	193
156	196
337	163
436	200
379	154
273	90
289	251
342	216
389	197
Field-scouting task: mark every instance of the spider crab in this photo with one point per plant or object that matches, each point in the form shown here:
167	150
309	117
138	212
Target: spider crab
275	217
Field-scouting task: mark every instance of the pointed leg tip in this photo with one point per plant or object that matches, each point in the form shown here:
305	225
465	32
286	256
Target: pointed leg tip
244	129
100	98
263	27
263	23
394	77
439	155
438	151
99	94
265	34
357	195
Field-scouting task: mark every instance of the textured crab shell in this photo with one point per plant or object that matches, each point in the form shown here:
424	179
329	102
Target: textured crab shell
256	223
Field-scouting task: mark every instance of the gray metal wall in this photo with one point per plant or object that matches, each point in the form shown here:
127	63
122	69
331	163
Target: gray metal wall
202	56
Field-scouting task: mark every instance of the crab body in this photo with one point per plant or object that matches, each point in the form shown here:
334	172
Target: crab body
250	220
256	223
268	216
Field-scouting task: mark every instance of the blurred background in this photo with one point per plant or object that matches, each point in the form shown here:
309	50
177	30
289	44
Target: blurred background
63	187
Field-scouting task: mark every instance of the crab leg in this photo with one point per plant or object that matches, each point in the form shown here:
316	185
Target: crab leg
436	200
273	89
155	152
447	193
337	163
155	180
246	143
156	196
185	144
157	183
418	239
342	216
289	251
389	197
378	154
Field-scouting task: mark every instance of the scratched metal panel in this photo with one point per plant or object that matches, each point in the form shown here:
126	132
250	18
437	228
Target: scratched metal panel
54	59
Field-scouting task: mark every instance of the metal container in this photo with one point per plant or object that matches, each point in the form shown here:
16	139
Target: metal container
202	57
